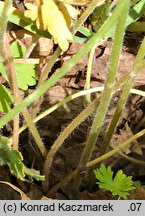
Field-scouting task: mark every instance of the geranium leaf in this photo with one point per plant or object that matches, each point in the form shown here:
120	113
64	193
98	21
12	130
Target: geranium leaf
13	158
120	185
25	75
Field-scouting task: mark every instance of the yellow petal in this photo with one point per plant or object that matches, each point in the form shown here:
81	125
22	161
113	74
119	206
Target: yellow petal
49	17
32	11
53	20
72	11
62	7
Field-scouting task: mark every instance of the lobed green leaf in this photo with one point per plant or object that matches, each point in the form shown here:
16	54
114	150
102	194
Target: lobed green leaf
120	185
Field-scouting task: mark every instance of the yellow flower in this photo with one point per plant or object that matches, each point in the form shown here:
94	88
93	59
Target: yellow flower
48	17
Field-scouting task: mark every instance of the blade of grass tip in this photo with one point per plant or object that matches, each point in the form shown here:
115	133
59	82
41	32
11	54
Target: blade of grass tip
65	68
106	96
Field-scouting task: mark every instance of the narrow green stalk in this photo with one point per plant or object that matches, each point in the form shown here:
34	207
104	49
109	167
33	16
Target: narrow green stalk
7	54
67	131
79	94
105	145
49	66
34	132
98	160
117	149
3	21
126	89
139	58
36	104
61	103
88	76
137	27
133	160
11	72
106	96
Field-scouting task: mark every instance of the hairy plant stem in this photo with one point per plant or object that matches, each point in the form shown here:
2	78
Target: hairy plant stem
97	160
61	103
125	92
3	22
5	51
9	63
106	97
59	141
11	72
88	76
17	98
76	122
117	86
36	104
35	133
106	142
